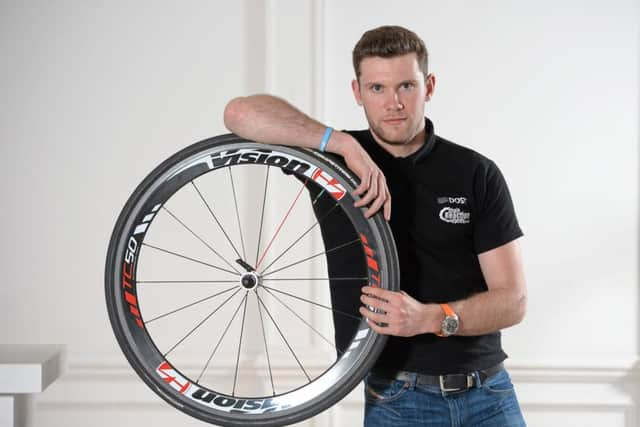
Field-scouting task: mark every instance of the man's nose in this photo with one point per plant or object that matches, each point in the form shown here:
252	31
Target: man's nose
394	102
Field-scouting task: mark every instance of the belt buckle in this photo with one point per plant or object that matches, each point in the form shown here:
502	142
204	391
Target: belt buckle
470	379
443	388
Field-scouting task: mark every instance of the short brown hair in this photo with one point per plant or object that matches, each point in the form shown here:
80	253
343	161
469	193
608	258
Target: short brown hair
389	41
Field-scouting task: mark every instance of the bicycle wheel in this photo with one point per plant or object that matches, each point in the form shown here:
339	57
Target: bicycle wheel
233	278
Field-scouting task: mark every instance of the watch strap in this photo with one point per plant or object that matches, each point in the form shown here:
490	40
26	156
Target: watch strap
448	310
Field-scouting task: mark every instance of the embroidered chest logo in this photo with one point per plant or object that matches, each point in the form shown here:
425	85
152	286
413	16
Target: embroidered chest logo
454	215
452	200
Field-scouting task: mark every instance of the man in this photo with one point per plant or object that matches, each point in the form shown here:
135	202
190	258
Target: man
455	229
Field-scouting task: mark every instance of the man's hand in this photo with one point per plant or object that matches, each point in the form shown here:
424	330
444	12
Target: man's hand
402	315
373	185
271	120
501	306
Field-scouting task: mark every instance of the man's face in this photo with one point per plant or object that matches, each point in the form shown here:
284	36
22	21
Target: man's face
393	92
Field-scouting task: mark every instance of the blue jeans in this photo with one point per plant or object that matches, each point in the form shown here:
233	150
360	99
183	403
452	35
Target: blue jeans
393	403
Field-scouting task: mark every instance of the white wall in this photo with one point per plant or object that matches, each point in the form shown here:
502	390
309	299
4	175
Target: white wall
549	91
97	93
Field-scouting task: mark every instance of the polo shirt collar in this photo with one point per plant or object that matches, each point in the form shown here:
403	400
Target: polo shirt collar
430	140
418	156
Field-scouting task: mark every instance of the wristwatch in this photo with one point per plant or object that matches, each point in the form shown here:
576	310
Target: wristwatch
451	322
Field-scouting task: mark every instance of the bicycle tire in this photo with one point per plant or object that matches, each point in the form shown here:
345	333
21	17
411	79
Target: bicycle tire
126	307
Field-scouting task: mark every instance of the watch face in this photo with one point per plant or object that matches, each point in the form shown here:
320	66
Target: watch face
450	325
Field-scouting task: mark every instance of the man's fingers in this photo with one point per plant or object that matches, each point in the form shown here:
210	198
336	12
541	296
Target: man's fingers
371	290
373	186
372	192
378	292
375	207
389	298
387	209
364	184
380	200
387	200
377	196
373	302
382	330
372	315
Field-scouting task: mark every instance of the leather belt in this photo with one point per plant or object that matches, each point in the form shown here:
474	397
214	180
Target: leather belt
447	383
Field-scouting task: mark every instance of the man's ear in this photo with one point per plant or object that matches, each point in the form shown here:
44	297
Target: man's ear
355	87
430	84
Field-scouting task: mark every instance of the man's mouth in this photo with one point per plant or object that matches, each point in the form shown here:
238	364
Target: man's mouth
394	120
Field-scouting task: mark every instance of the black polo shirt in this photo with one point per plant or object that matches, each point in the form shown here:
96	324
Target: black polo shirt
449	204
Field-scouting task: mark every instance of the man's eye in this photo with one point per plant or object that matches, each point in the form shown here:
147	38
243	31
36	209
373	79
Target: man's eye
376	88
407	85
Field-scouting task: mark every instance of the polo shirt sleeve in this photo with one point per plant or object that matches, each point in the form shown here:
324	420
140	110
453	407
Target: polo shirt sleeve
495	221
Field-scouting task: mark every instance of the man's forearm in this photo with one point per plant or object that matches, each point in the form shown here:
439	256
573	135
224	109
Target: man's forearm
504	304
272	120
481	313
405	316
489	311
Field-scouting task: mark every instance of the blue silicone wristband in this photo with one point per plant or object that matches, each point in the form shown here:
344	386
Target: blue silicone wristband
325	138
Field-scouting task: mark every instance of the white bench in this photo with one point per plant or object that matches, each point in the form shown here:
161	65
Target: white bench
24	371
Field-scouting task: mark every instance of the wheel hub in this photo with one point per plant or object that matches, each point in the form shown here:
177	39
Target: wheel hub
250	280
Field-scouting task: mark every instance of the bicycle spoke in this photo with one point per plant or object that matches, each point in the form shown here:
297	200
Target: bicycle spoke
282	335
200	324
244	314
302	187
316	278
311	257
264	200
304	321
221	338
169	282
303	234
188	305
216	219
201	239
189	258
235	201
318	197
344	313
264	336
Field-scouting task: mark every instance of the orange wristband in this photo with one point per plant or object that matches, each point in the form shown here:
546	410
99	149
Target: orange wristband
447	310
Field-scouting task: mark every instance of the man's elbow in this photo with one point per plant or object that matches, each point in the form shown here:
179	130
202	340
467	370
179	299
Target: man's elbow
235	113
520	309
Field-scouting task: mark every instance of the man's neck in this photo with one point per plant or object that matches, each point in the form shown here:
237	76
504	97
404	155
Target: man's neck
402	149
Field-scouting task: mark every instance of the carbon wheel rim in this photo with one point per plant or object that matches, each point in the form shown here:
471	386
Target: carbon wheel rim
218	316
